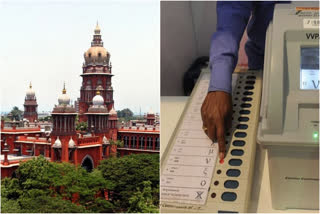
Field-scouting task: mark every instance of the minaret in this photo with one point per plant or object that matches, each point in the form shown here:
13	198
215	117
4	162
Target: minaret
98	116
113	126
30	105
96	76
63	135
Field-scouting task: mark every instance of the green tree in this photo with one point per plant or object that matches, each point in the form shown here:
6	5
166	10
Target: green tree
119	143
49	185
126	113
9	206
16	113
82	126
6	119
129	173
16	200
142	202
49	204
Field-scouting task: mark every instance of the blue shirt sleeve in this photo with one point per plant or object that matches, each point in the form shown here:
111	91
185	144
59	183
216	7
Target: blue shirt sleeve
232	19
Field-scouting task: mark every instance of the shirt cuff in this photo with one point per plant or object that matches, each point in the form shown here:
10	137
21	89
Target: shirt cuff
221	76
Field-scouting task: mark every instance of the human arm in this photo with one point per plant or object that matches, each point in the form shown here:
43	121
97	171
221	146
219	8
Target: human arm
216	111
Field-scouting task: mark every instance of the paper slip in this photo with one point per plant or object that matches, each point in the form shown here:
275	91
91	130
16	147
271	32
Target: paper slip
187	173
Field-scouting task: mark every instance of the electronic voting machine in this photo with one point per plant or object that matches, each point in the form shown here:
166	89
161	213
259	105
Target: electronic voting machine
289	124
192	178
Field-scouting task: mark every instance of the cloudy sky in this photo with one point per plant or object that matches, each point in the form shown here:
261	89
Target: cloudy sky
44	42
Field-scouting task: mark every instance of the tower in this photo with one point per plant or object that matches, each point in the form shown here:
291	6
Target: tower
63	133
113	120
30	105
96	76
150	118
98	116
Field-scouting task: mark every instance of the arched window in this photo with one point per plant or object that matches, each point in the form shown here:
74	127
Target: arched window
18	149
141	142
87	163
71	154
99	54
14	174
125	139
133	142
104	149
158	143
149	144
88	97
57	154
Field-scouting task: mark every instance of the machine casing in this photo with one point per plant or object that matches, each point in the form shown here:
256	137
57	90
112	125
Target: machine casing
289	116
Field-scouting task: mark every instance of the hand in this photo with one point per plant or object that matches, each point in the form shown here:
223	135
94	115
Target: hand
216	112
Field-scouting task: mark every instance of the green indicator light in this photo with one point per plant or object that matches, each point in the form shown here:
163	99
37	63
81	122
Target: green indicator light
315	135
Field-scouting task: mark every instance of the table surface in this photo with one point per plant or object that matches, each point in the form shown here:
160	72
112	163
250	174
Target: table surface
171	110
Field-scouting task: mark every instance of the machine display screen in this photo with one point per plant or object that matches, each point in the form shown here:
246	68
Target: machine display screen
309	68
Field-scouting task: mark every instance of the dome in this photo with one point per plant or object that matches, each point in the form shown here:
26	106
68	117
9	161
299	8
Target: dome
71	144
113	111
150	111
96	52
98	100
64	99
57	143
105	140
30	91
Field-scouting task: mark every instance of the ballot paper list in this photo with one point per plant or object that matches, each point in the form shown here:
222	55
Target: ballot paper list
187	173
190	164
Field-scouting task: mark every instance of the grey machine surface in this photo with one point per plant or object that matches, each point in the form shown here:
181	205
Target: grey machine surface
289	114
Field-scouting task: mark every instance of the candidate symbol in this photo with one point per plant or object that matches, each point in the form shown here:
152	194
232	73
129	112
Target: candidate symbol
199	193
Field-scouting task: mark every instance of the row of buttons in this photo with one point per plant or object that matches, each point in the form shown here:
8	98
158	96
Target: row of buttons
233	184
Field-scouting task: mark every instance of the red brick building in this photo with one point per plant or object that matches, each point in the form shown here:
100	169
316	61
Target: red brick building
142	137
20	144
96	107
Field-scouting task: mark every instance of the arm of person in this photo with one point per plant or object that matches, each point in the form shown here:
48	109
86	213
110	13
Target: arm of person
216	110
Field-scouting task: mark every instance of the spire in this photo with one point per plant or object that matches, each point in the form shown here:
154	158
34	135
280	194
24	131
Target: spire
30	86
64	91
150	111
113	111
97	29
97	37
